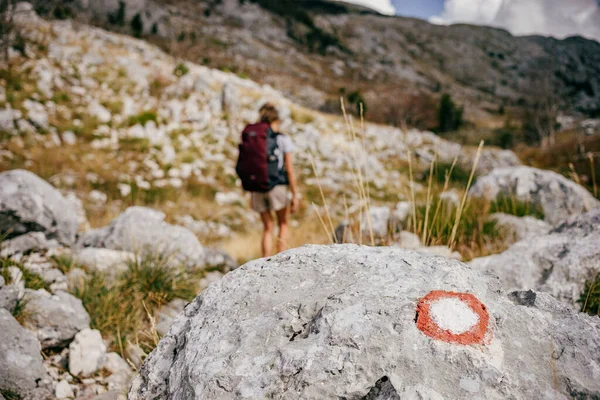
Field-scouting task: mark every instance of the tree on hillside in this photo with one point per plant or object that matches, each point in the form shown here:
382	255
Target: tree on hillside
450	116
544	112
540	119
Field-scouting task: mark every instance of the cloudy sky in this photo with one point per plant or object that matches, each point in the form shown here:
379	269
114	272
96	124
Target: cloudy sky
559	18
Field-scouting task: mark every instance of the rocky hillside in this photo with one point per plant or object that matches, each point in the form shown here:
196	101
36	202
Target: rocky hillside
118	122
315	51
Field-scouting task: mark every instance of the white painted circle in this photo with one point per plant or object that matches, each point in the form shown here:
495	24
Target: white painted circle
453	315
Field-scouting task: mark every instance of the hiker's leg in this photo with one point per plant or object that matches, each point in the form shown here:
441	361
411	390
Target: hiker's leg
283	217
267	237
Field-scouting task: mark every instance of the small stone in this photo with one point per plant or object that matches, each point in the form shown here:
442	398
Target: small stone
86	353
63	390
408	240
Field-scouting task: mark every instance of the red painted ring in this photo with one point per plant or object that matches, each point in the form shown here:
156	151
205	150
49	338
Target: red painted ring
478	334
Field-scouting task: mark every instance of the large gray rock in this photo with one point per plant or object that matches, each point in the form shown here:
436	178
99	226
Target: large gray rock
143	230
21	367
559	197
519	228
57	318
558	262
30	204
370	323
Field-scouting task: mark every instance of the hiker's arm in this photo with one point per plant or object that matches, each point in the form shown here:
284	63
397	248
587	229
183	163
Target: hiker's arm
289	168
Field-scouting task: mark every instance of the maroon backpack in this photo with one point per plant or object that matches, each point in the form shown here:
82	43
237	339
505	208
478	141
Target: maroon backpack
258	162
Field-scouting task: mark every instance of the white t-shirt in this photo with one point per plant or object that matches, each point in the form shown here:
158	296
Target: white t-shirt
285	145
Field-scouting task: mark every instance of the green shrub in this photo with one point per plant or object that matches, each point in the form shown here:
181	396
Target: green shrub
137	26
590	297
142	118
509	204
181	69
10	394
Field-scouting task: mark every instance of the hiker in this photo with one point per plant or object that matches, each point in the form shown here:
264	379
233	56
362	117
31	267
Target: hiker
266	170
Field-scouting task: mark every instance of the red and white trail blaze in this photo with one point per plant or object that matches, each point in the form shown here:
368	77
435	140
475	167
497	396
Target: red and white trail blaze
454	318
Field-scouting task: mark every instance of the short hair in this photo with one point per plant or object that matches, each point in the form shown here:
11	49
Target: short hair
268	113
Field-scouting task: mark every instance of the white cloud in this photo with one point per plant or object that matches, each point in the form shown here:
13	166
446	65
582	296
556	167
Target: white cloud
558	18
383	6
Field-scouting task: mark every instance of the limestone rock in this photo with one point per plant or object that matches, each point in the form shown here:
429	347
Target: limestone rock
23	244
63	390
143	230
558	262
30	204
110	262
559	197
20	357
345	321
87	353
57	318
519	228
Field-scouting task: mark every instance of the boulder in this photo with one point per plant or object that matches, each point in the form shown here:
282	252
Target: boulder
519	228
559	197
33	241
558	262
87	353
143	230
21	364
345	321
30	204
57	318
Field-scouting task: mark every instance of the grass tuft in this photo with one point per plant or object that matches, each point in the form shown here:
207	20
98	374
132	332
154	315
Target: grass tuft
31	279
65	263
590	297
509	204
125	309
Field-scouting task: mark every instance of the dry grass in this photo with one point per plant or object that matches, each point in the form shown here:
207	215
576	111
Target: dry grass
124	309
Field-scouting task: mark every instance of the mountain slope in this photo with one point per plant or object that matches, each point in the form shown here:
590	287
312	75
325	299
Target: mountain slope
314	51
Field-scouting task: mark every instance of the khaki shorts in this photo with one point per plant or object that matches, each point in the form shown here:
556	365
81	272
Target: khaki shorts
277	199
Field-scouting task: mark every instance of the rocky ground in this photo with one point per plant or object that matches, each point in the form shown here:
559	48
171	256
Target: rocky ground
118	195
